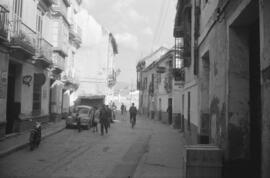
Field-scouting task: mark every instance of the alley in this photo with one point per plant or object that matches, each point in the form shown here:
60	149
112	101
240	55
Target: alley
140	152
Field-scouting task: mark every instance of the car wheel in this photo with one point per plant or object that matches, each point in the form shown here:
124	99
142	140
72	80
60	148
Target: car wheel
88	127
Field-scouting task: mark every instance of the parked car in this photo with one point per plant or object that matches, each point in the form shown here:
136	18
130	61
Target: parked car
82	112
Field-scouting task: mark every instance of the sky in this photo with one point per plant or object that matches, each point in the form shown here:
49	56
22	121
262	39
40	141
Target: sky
139	26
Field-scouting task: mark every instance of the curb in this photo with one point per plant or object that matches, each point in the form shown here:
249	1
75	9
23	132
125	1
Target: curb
24	145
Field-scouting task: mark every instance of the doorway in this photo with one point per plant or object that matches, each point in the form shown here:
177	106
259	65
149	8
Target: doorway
205	124
245	95
169	110
159	109
13	96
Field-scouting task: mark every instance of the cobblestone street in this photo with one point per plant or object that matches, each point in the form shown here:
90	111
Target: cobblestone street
151	149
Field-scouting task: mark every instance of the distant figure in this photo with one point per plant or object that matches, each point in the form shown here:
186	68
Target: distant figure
103	116
95	120
133	113
113	109
122	108
152	112
109	116
169	111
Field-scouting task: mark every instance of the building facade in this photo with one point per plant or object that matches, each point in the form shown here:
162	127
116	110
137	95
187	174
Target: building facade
35	42
229	44
66	40
144	79
70	76
26	56
160	85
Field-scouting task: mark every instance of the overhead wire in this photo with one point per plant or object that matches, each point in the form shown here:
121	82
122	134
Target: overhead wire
161	21
164	22
161	10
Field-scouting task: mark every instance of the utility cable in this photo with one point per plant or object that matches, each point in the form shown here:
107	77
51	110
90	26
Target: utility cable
164	22
161	10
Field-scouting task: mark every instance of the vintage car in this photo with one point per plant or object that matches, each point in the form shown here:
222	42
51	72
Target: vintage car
84	113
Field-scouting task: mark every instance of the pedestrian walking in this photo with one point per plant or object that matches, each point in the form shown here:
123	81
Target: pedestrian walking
95	120
113	109
169	111
109	116
103	116
133	113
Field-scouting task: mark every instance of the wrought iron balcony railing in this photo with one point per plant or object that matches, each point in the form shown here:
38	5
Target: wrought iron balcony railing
22	36
178	74
3	22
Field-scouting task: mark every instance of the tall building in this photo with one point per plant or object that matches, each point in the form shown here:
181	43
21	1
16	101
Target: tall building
97	55
228	45
26	55
66	39
70	75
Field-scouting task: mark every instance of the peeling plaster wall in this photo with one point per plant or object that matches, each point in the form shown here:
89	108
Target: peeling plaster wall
238	120
215	43
265	66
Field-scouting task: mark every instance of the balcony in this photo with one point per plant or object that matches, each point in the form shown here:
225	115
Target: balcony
72	32
178	74
3	23
44	52
75	34
60	7
58	63
61	44
23	38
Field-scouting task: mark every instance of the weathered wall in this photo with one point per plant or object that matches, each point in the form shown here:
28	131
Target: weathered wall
216	43
238	107
191	130
265	66
4	60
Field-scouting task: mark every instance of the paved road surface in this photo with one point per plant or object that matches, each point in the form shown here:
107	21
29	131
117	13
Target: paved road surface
71	154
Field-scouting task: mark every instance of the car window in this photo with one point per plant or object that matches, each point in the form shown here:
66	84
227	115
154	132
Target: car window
83	111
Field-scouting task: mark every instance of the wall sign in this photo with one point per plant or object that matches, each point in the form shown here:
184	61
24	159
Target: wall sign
27	80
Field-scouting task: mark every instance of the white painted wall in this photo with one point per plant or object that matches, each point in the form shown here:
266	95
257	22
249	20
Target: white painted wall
27	91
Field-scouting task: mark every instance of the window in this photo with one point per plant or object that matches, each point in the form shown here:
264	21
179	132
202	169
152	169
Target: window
189	110
36	95
183	113
178	63
17	7
145	83
39	21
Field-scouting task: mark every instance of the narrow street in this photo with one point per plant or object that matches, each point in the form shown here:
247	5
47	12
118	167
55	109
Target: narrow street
123	152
